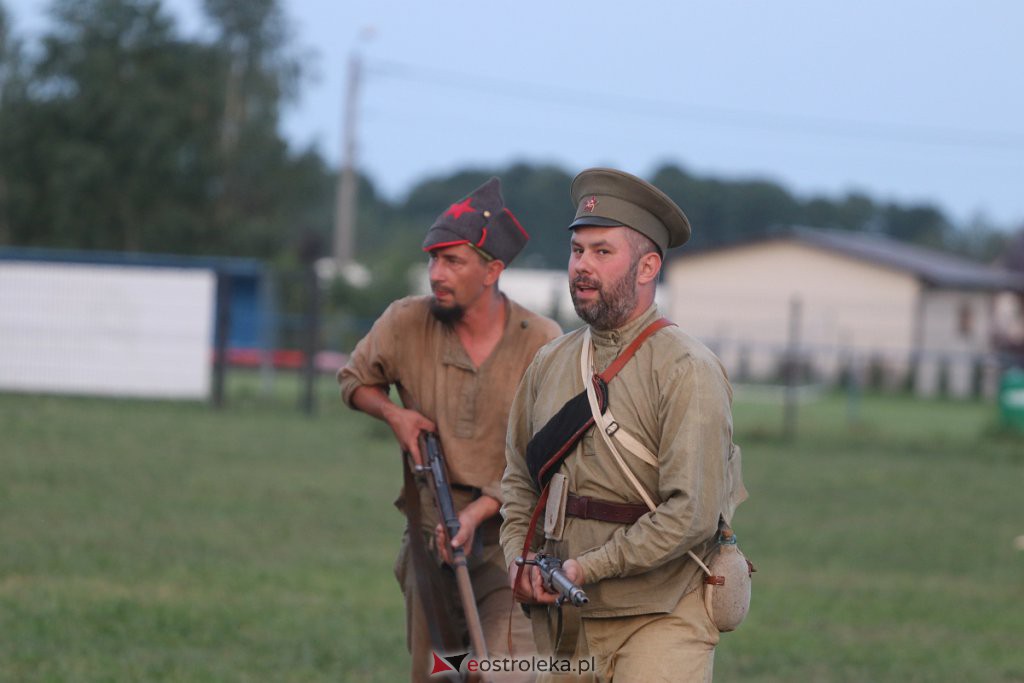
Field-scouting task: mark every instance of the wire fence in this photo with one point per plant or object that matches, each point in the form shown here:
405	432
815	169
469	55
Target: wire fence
284	327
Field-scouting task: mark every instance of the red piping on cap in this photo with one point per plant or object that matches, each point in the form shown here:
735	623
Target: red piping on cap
439	245
483	238
516	221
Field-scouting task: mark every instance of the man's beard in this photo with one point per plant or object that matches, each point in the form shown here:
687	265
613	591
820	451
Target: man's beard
446	315
614	303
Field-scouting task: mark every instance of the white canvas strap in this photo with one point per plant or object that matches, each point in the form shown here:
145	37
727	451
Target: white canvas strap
606	423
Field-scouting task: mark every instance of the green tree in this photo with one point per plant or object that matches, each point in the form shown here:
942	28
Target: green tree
107	147
539	197
12	85
10	56
980	239
920	224
722	212
854	212
122	134
261	183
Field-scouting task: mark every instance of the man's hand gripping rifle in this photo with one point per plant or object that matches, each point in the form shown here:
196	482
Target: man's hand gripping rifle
436	469
555	580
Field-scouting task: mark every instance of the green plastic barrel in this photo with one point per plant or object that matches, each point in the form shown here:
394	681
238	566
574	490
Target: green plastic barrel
1011	398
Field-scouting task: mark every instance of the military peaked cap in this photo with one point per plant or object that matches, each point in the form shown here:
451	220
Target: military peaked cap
605	197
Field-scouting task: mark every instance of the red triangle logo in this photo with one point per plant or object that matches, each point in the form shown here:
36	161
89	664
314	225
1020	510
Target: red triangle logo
440	665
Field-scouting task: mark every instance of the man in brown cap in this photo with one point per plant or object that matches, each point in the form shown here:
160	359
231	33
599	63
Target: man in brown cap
455	358
622	505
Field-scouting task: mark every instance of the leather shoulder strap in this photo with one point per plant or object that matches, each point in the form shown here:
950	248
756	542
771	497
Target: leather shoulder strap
563	452
624	357
556	439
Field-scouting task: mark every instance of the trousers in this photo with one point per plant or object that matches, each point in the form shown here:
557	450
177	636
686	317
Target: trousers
498	613
677	647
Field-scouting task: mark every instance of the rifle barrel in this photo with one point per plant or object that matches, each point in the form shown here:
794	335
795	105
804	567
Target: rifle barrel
555	579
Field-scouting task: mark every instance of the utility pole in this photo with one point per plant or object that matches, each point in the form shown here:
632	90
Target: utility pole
793	363
309	251
221	332
345	210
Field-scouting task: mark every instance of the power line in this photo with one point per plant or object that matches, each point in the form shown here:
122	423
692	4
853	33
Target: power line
698	113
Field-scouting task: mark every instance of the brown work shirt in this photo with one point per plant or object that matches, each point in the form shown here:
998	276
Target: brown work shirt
672	396
410	348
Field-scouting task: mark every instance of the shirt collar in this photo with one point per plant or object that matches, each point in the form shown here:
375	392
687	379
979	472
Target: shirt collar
627	332
453	353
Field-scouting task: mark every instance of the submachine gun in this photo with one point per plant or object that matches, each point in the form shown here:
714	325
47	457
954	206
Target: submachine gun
555	580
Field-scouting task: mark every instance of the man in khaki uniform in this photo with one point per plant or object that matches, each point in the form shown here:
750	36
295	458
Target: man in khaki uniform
456	358
645	620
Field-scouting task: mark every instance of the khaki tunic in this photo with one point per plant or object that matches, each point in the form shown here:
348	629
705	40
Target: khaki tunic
408	347
674	397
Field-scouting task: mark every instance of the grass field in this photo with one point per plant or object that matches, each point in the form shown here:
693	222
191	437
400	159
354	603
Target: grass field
156	541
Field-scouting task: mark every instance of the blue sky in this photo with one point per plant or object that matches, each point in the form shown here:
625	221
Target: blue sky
908	101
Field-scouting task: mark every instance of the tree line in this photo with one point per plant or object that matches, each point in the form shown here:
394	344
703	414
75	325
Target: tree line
119	132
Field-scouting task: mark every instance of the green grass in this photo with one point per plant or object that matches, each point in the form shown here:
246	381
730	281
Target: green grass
884	547
160	541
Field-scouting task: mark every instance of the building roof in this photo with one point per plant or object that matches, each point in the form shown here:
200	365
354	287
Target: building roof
229	265
935	268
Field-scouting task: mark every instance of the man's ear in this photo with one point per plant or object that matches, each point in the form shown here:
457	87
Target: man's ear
494	269
648	268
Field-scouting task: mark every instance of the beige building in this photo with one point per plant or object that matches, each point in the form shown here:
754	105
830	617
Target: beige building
890	312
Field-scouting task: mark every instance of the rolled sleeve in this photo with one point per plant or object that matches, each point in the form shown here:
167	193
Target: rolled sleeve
493	490
518	493
374	360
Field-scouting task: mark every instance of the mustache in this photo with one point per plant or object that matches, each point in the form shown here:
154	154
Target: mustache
583	281
436	289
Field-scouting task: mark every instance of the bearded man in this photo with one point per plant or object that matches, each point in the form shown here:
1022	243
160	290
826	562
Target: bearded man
455	358
622	525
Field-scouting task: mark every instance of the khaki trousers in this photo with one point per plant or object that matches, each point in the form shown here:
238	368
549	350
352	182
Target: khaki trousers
650	648
494	603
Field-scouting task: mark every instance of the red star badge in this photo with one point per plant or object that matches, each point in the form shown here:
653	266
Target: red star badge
590	204
456	210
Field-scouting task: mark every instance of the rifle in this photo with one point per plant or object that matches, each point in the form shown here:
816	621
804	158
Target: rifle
555	579
437	470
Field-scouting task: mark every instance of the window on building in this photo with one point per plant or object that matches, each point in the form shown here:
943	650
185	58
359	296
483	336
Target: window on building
965	320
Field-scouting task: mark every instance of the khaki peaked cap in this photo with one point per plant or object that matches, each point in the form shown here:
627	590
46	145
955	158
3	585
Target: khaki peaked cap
605	197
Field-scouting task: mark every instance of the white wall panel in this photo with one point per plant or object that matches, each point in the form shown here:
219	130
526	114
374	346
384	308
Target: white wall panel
106	330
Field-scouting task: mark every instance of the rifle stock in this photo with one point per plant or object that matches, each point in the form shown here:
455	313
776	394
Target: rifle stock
436	468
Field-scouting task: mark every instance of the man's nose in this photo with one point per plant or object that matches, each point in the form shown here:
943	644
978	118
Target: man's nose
579	264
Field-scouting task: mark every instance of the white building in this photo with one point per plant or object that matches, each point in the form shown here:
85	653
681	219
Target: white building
849	300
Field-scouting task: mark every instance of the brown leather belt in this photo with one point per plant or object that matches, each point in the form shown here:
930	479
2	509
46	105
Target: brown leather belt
586	507
475	490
